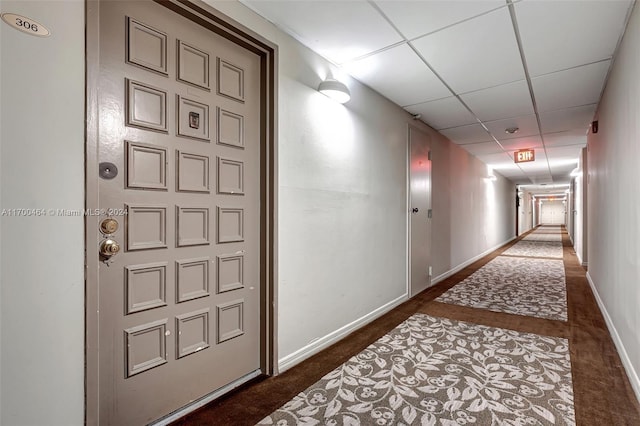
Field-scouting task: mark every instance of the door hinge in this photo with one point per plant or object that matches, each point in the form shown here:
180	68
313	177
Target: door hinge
429	213
429	155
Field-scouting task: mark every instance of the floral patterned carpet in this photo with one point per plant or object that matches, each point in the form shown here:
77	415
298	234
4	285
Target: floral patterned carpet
514	285
536	249
437	371
542	237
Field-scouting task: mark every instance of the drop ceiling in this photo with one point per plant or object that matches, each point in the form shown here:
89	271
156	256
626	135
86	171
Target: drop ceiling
473	68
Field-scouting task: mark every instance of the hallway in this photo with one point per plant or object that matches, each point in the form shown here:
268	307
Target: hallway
601	391
479	86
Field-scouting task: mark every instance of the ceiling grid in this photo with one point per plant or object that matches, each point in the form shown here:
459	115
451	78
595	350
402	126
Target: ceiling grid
474	68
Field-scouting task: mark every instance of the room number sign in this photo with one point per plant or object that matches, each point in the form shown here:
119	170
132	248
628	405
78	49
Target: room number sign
26	25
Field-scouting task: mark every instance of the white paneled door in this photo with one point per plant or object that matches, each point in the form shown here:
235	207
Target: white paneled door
552	213
419	211
179	152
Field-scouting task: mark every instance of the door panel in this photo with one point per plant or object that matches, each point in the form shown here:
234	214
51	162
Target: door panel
419	211
179	117
552	213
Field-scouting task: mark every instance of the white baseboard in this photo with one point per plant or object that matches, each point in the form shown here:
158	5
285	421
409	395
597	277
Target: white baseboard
582	263
467	263
631	372
316	346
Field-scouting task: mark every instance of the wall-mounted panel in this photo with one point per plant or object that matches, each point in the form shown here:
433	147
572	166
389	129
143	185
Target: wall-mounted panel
230	224
146	46
230	320
192	331
146	106
193	65
146	166
230	272
193	118
230	176
145	347
145	286
230	80
192	279
230	128
192	172
146	227
192	226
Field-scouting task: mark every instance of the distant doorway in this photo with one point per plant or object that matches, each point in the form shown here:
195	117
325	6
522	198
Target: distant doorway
552	213
419	211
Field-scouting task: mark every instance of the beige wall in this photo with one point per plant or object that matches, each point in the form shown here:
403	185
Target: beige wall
343	211
614	201
42	257
471	214
343	202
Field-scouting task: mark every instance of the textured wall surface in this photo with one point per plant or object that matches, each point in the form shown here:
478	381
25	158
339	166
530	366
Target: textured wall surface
614	200
42	278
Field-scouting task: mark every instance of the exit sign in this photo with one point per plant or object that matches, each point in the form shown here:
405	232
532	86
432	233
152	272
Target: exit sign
524	155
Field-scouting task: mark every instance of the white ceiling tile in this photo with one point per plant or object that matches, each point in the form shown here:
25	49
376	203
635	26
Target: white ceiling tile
570	137
483	148
400	75
578	118
514	175
415	18
507	100
475	54
561	34
562	166
504	165
562	160
564	153
467	134
498	161
443	113
569	88
540	166
527	126
522	143
540	179
561	176
337	30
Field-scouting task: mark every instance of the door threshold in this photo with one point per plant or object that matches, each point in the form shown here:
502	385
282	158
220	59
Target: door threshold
205	400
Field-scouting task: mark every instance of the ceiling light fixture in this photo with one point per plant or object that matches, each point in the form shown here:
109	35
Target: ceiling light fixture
335	90
512	130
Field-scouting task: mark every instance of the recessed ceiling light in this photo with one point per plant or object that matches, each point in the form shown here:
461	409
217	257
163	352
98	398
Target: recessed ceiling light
511	130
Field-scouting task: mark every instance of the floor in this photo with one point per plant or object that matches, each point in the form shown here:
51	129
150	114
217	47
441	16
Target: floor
602	392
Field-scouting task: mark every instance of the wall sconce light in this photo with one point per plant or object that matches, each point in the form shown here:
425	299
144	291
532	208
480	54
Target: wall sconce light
490	175
335	90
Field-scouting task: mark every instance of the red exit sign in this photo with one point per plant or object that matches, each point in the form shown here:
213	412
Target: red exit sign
524	155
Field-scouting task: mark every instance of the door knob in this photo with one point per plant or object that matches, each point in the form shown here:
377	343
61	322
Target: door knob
109	248
415	210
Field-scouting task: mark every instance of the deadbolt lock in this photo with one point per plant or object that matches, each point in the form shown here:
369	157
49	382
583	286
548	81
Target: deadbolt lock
109	226
109	248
